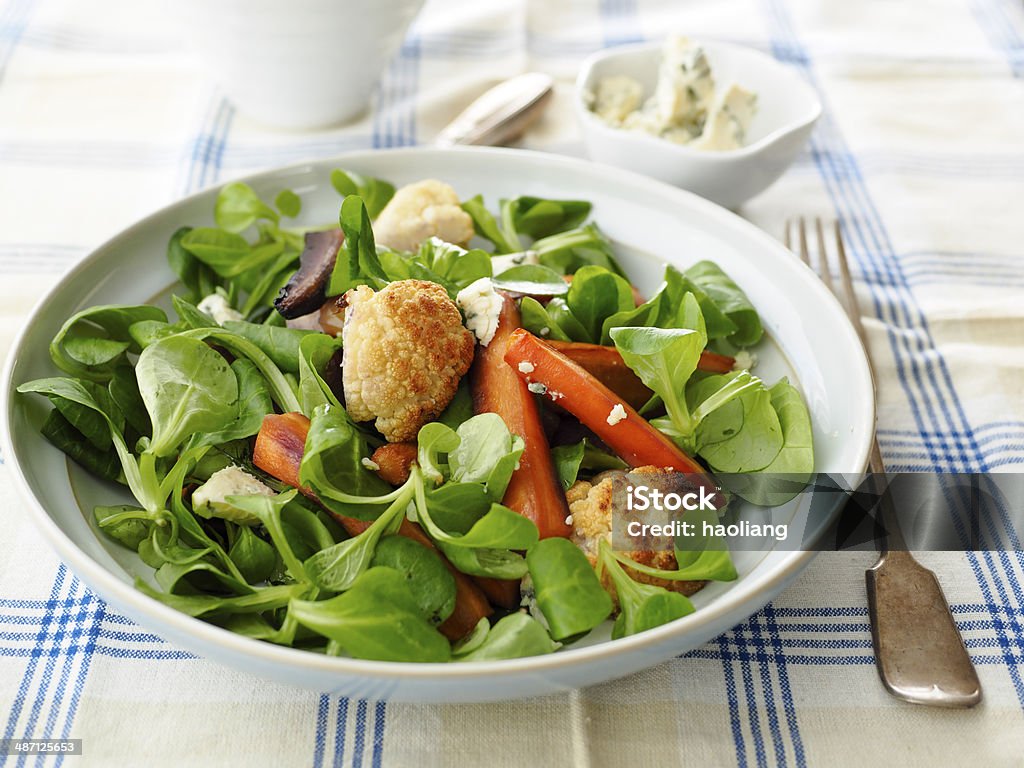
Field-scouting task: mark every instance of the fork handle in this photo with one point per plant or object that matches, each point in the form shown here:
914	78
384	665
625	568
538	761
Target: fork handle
920	655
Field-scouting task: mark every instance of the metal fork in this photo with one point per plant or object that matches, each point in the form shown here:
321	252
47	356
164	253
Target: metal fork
920	655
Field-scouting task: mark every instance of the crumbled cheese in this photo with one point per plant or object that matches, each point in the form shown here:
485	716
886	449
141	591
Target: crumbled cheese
218	308
500	263
568	520
528	600
210	499
482	306
685	107
744	361
537	388
369	464
555	395
526	367
727	121
617	97
617	414
545	331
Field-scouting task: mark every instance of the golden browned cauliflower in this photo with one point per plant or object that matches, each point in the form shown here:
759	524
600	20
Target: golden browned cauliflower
425	209
405	349
590	507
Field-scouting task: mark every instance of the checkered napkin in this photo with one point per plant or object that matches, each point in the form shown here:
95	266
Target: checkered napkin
103	118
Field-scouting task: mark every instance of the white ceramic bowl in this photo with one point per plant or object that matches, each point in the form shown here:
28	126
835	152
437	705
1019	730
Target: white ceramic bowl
297	64
651	223
786	112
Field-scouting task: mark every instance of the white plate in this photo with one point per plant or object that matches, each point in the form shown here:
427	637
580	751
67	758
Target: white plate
652	222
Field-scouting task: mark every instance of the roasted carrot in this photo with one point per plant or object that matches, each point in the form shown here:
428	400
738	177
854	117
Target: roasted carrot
598	408
712	362
279	447
534	490
280	444
394	462
607	366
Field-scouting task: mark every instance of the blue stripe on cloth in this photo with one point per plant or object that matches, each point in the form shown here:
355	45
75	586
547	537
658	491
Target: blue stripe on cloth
340	727
788	705
214	150
70	646
83	673
750	696
70	655
620	22
320	738
14	21
725	655
379	716
35	653
359	740
757	639
998	28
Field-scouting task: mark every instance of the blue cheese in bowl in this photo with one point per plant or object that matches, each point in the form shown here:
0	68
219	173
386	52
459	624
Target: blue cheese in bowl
685	108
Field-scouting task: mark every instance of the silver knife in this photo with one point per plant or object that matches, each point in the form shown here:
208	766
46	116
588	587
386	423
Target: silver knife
501	114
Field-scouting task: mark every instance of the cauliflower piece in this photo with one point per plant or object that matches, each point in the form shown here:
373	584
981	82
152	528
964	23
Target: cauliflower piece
418	211
590	507
405	349
210	499
482	306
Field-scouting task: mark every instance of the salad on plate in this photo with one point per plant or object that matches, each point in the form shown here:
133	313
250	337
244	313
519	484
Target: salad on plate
399	438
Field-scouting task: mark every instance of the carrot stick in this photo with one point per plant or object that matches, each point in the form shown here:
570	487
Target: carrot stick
712	362
503	593
280	444
607	365
279	447
634	440
534	491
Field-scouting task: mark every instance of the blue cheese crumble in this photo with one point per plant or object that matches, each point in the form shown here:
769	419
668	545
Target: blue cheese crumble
685	108
218	308
482	306
211	498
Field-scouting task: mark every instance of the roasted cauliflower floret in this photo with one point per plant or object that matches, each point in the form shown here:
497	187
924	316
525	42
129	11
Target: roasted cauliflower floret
405	349
590	507
425	209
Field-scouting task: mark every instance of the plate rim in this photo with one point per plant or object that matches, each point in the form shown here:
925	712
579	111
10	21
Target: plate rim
127	598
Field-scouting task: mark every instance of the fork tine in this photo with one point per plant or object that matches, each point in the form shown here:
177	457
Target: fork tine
823	266
787	240
851	296
803	253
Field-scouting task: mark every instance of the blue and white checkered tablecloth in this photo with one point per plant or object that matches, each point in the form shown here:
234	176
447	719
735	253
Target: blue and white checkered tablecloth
104	118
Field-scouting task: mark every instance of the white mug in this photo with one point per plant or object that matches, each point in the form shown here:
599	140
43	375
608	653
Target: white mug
296	63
